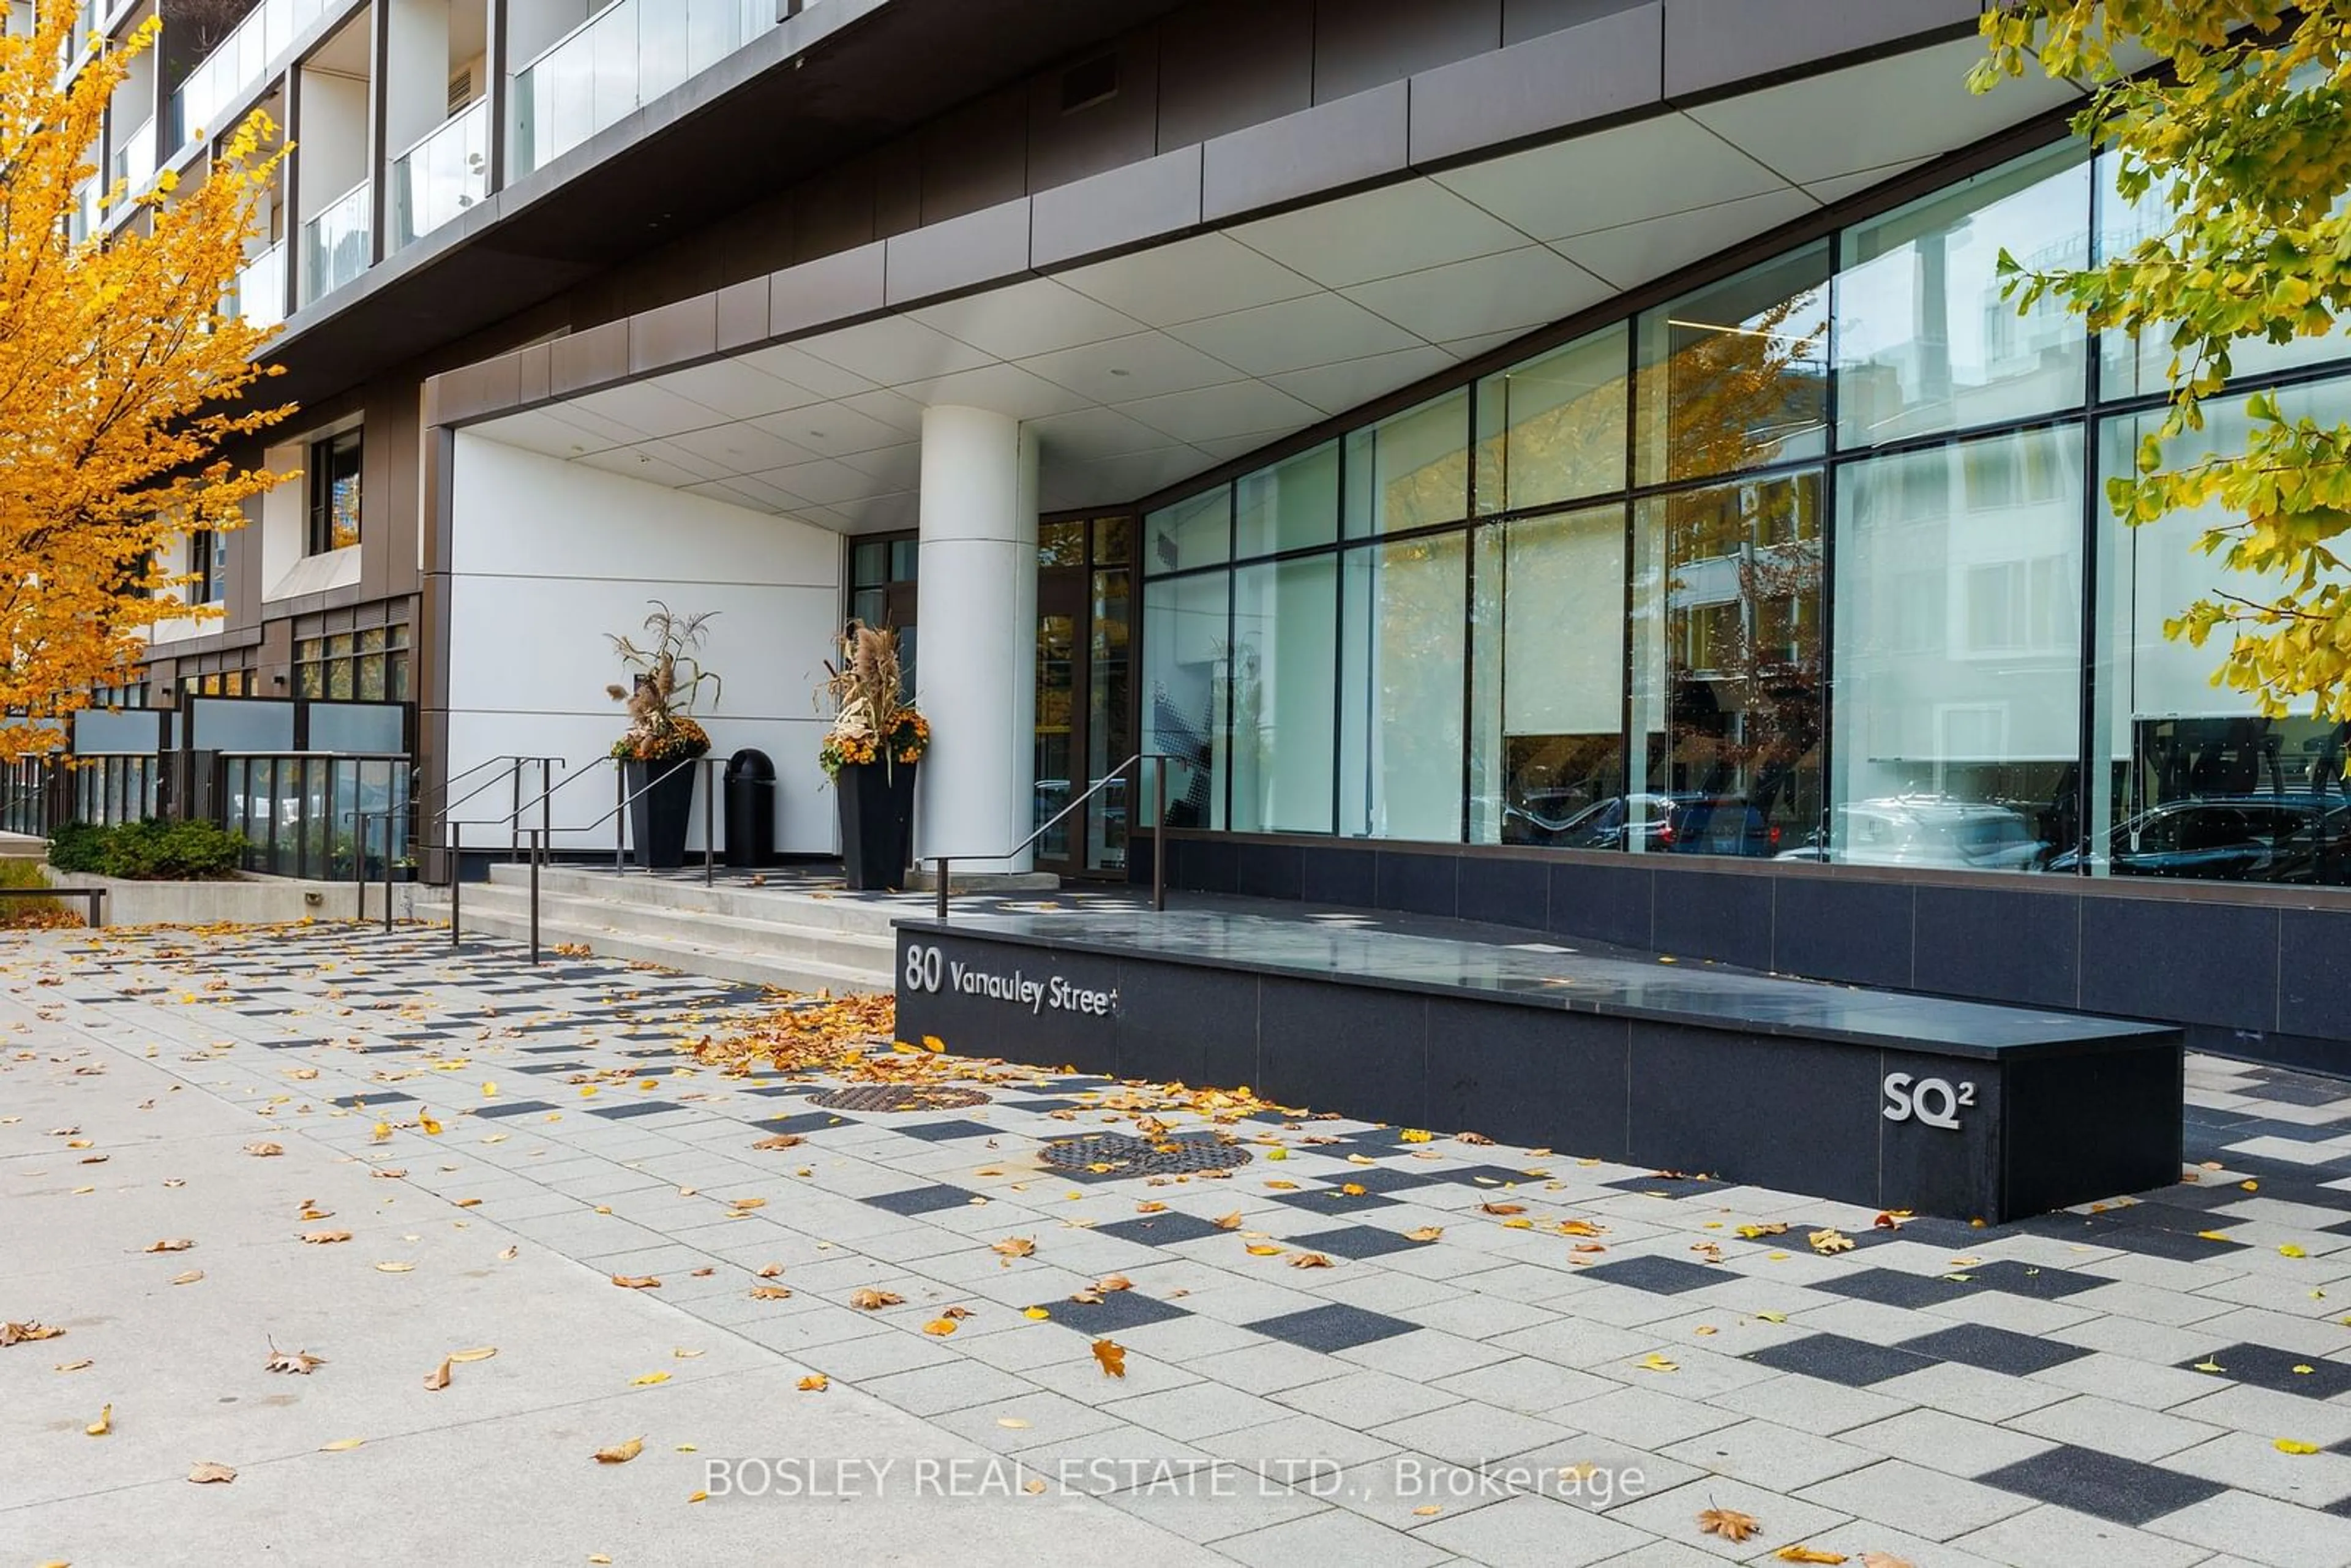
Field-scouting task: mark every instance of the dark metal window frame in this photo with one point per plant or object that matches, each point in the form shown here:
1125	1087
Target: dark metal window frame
331	459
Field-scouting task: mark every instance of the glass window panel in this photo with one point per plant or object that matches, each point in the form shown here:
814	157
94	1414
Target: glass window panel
1726	663
1548	713
1735	375
1285	634
1060	544
1193	532
1109	716
1925	341
870	562
870	605
2139	367
1292	505
355	727
1402	648
905	556
1410	470
1553	429
1111	541
219	725
1958	691
2188	780
1184	634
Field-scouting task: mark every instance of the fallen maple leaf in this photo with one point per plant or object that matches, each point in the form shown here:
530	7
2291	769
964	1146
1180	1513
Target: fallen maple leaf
1113	1357
172	1244
1228	1221
438	1378
204	1472
940	1326
815	1383
1793	1553
869	1299
342	1445
1580	1227
1830	1240
1753	1232
649	1380
1309	1260
1153	1208
21	1333
1014	1247
636	1281
2288	1445
482	1354
781	1140
1426	1233
300	1361
1728	1523
1502	1208
103	1425
325	1237
1885	1560
620	1453
263	1151
770	1293
1655	1362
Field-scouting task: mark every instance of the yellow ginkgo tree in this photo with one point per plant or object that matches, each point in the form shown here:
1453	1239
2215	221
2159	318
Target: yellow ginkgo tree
121	375
2231	120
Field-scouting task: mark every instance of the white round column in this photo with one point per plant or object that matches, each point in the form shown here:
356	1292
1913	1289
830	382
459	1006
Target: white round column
976	653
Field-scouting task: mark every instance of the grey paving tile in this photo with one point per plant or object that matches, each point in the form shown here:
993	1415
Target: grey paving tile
1469	1434
1533	1532
2091	1421
1332	1536
2047	1536
2261	1530
1777	1458
1911	1497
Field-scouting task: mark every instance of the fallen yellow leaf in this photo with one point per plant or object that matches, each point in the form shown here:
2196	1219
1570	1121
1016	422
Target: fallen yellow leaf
103	1425
649	1379
620	1453
340	1444
815	1383
2288	1445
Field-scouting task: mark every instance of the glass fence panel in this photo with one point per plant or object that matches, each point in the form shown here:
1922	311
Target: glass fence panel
441	176
336	244
626	56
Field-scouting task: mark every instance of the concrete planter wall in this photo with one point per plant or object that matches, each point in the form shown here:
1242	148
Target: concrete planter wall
247	901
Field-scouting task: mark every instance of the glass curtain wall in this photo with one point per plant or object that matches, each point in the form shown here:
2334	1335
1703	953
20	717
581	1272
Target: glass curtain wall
1811	562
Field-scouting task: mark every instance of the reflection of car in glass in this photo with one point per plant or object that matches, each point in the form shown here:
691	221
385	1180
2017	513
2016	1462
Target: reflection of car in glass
1688	824
2232	837
1909	830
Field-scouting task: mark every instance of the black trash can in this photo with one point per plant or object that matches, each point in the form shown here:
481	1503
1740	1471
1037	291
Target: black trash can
750	809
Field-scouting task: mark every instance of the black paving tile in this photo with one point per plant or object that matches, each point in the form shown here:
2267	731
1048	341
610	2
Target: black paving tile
922	1199
2262	1367
1659	1276
805	1123
513	1108
642	1108
1994	1349
1332	1200
1355	1241
1834	1358
1668	1185
2026	1279
1332	1328
1160	1229
1117	1310
943	1132
1892	1287
2105	1485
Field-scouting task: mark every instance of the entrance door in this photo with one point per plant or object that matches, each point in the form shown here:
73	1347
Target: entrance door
1082	716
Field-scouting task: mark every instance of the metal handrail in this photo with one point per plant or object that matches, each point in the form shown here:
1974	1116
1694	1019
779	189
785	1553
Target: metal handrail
1158	827
569	778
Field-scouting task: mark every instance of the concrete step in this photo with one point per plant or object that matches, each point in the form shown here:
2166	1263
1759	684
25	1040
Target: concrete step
779	938
684	948
774	905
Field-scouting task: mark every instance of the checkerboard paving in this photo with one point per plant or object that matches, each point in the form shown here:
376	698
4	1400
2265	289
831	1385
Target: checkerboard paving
2109	1384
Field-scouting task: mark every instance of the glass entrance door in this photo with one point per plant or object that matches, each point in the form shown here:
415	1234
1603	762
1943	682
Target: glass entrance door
1082	727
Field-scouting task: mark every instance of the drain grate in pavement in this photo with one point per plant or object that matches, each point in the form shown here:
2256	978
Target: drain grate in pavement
896	1097
1117	1154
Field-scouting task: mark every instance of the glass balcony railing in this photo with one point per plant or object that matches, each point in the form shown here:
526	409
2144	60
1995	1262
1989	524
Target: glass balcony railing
134	156
238	64
336	244
441	175
627	56
261	287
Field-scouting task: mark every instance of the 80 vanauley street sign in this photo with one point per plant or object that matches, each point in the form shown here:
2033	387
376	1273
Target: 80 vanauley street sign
927	969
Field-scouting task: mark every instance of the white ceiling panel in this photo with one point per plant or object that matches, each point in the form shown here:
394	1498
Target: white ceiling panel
1208	275
736	389
873	514
741	448
1668	165
1114	480
1123	369
1240	409
1318	329
1032	317
1827	192
1522	287
895	409
1090	433
538	431
1007	388
1378	233
1639	251
1907	106
648	407
729	492
631	463
1335	389
894	350
832	428
891	467
789	363
828	482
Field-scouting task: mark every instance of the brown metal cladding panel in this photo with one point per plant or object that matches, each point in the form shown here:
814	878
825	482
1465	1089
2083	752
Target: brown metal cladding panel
1125	206
687	329
976	156
1330	145
939	259
816	292
1710	44
1222	67
1360	44
589	358
403	422
533	366
1603	69
833	211
1120	129
743	314
897	187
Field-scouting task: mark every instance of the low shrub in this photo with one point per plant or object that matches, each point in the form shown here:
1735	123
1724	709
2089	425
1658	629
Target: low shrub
148	850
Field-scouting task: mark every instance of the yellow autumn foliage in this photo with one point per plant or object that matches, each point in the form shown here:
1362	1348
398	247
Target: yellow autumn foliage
122	377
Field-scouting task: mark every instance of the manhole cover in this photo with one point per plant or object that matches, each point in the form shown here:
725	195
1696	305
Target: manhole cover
1117	1154
896	1097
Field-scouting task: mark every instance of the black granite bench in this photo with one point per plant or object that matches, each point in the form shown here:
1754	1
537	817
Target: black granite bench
1879	1098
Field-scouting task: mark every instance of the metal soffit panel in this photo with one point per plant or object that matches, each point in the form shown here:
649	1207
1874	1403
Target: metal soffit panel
1145	369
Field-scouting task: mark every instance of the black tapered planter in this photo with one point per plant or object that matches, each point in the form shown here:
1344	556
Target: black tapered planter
658	816
877	818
